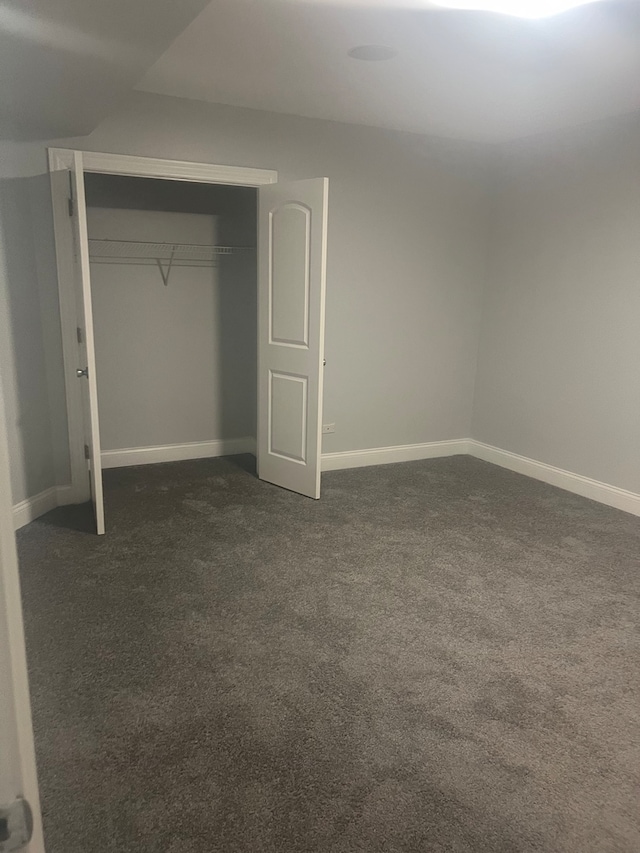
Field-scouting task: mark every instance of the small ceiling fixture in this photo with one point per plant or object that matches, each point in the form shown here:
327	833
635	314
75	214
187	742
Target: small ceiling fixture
372	52
519	8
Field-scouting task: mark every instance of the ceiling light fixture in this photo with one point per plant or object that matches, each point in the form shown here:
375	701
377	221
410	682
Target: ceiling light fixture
518	8
373	52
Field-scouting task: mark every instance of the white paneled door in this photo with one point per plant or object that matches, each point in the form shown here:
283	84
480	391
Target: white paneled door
292	247
19	802
86	363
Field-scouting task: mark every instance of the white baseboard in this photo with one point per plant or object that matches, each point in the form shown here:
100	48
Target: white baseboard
386	455
177	452
32	508
576	483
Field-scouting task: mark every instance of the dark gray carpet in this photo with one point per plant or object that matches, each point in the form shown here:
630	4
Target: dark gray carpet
437	656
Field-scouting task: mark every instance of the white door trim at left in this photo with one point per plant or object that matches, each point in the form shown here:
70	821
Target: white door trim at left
152	167
61	161
18	776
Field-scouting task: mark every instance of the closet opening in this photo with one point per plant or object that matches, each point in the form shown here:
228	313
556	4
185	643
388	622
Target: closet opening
192	303
173	272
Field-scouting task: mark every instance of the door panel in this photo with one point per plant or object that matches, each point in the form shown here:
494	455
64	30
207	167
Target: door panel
292	242
18	778
290	238
86	350
287	416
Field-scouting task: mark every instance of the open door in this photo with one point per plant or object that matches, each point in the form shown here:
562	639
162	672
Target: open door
292	248
86	369
20	821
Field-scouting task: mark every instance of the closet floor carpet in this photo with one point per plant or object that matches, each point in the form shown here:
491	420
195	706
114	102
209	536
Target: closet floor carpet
437	656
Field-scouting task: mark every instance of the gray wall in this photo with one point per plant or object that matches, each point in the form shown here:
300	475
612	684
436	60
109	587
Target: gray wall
406	245
560	349
30	346
173	362
184	365
406	242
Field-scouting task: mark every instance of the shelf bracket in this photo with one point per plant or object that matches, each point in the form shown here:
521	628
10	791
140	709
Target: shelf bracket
165	273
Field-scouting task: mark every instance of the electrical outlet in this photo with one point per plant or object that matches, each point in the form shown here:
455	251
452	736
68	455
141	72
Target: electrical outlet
327	428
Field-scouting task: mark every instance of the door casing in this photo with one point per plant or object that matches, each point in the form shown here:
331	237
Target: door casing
61	161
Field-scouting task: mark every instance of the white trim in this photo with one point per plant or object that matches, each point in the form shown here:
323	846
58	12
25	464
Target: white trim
177	452
585	486
576	483
60	159
32	508
387	455
153	167
66	270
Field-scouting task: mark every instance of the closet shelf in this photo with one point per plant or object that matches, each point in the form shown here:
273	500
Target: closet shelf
124	251
163	255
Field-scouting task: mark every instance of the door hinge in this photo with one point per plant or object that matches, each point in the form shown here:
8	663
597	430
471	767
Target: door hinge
16	825
79	334
87	454
70	199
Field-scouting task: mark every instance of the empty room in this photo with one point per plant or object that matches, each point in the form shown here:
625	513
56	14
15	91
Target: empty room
320	426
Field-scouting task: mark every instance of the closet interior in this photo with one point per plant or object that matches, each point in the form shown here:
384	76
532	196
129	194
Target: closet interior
174	292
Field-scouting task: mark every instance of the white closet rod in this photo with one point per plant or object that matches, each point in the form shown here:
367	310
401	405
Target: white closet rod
140	253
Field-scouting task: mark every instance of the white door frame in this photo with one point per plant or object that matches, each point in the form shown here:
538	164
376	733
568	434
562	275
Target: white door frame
60	162
19	775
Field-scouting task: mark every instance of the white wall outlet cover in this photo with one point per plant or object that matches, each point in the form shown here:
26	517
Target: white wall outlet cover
328	428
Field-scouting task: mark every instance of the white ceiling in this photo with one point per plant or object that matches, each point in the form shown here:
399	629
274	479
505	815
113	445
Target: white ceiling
468	75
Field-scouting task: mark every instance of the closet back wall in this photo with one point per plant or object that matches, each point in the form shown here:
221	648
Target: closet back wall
175	364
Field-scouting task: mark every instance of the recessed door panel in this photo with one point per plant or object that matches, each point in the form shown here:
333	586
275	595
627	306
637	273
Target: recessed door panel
289	239
288	416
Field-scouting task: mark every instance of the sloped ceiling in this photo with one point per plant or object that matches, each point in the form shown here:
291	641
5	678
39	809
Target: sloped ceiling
64	64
